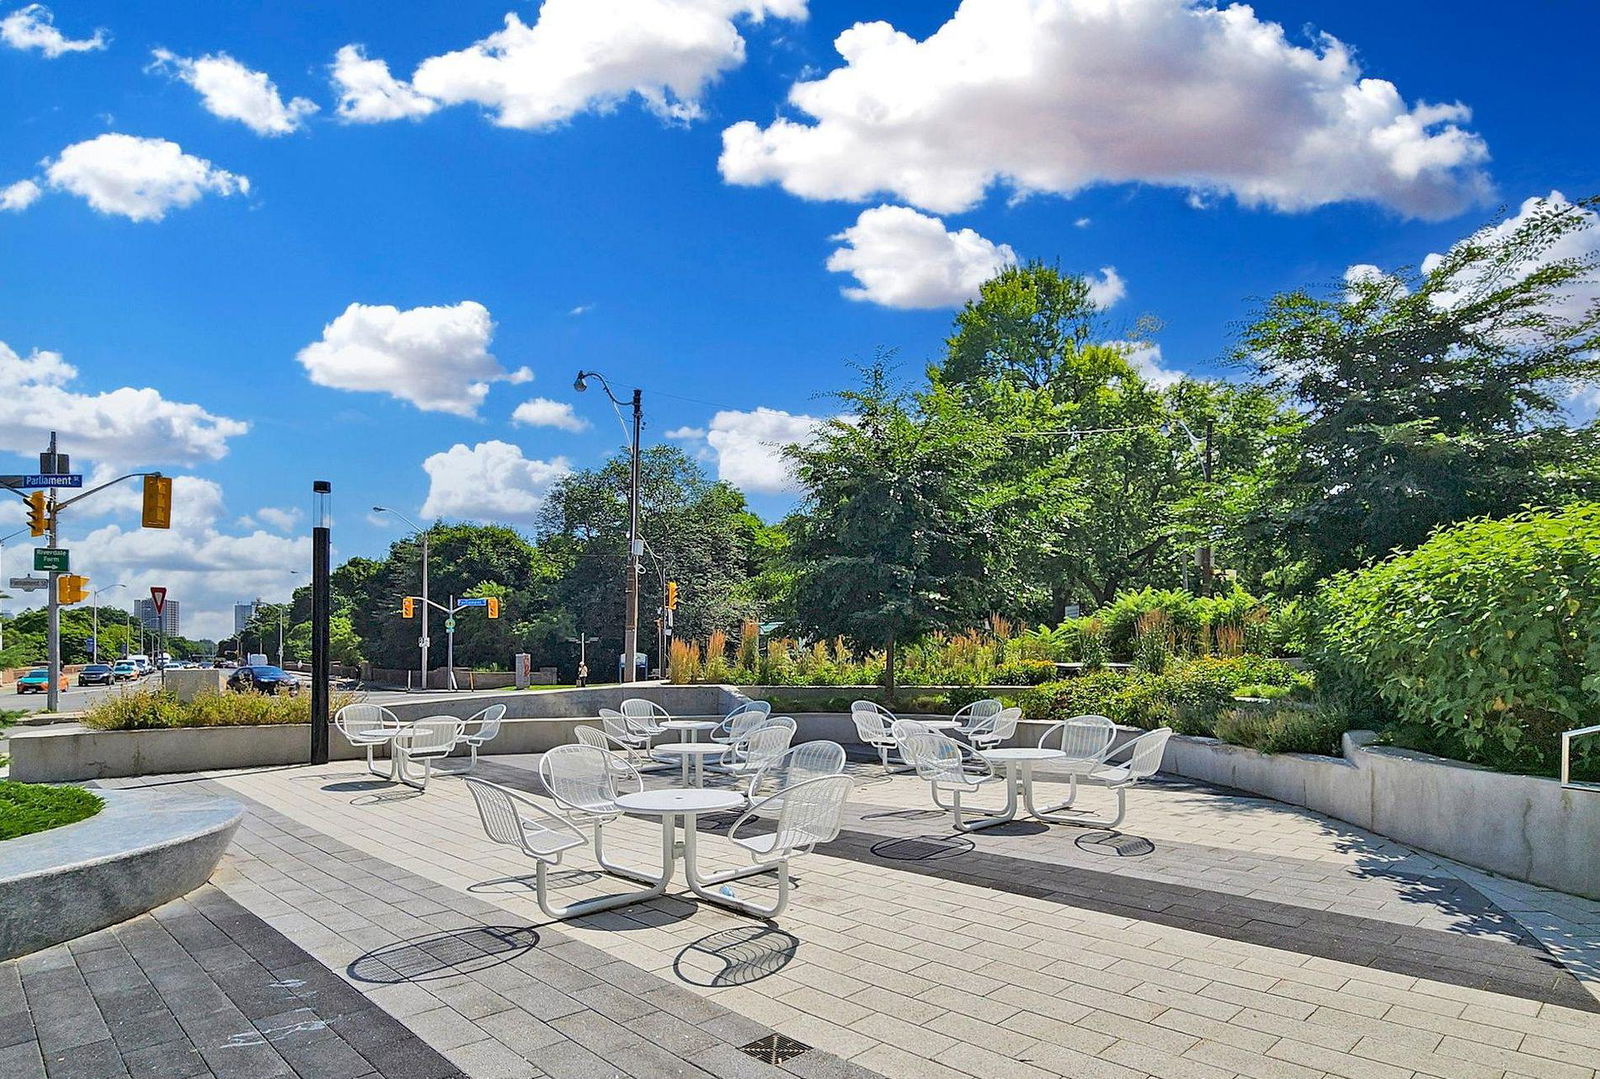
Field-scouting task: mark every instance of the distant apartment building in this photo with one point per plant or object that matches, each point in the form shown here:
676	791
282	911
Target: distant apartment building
243	615
167	621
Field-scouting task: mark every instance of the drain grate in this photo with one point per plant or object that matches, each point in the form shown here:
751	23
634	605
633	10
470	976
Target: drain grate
774	1049
1115	844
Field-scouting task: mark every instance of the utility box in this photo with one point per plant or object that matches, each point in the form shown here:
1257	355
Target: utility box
523	665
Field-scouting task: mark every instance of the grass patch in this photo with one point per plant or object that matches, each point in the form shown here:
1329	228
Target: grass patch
26	808
9	716
154	709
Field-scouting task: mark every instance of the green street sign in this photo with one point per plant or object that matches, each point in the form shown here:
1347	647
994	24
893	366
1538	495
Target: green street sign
51	560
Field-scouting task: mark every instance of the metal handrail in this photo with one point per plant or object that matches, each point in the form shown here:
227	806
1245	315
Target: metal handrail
1566	758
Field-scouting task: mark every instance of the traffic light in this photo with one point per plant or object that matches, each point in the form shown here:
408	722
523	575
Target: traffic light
157	502
71	588
408	608
494	607
38	515
672	595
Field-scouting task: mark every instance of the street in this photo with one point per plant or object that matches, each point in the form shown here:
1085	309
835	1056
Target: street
73	699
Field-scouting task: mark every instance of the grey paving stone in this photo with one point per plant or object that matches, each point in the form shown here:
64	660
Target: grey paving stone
21	1061
95	1060
177	1059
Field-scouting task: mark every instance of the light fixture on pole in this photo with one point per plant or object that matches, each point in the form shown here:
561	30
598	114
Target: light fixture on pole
321	595
423	641
630	629
94	614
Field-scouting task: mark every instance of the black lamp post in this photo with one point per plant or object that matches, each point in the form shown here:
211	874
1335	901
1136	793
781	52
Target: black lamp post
630	627
321	522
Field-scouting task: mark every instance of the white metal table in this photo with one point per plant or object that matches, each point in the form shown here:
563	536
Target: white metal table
691	727
1018	763
689	803
696	751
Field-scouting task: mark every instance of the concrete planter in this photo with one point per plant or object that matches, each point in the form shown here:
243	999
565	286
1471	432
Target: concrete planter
143	849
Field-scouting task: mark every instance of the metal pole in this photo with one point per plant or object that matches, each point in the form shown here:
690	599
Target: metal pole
425	611
1207	569
630	633
53	700
450	644
322	492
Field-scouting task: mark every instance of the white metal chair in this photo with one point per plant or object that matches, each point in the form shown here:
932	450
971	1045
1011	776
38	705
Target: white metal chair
645	717
992	732
799	764
584	782
948	767
481	728
595	738
972	716
1084	742
872	727
812	813
369	725
739	722
426	740
617	728
544	836
761	747
1144	760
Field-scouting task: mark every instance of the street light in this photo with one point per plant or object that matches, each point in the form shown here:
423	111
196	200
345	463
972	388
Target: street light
94	613
421	532
630	630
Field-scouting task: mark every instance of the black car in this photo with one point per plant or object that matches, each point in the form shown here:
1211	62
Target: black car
263	680
95	674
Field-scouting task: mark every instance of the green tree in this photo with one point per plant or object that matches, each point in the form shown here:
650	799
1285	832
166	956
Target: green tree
1430	396
898	522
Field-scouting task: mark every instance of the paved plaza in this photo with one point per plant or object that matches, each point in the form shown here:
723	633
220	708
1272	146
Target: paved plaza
360	929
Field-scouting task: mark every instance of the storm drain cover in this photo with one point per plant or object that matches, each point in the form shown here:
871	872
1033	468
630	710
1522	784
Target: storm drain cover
1115	844
774	1049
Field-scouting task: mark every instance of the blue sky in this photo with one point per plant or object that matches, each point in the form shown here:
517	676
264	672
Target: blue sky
593	228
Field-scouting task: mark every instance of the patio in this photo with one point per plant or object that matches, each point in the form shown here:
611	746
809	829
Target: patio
1214	935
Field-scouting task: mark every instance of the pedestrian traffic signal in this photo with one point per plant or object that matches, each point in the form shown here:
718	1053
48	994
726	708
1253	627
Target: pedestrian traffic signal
672	595
494	607
38	514
71	588
157	502
408	608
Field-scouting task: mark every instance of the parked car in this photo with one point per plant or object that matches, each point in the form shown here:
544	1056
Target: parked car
37	681
96	674
263	679
124	671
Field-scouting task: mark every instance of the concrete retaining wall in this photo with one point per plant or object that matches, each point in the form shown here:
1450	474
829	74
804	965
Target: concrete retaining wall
1525	827
143	849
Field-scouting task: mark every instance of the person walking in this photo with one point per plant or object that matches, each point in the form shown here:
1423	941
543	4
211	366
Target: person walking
583	675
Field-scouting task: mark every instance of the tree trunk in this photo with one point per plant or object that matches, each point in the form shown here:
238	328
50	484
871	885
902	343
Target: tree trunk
888	666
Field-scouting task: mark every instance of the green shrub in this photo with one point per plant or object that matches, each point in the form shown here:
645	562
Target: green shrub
1187	696
1023	672
1262	691
147	709
1121	616
1486	639
1283	730
26	808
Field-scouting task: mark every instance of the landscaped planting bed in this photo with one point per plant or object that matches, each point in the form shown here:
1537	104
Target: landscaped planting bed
26	808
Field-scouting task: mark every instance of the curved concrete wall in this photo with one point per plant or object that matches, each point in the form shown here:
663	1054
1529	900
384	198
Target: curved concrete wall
143	849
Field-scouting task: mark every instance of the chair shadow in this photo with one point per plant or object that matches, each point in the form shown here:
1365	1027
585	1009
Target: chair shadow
748	954
379	797
905	814
369	784
525	885
1112	844
923	848
443	955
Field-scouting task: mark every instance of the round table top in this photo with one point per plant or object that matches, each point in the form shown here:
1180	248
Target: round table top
704	749
680	800
691	725
937	724
1021	753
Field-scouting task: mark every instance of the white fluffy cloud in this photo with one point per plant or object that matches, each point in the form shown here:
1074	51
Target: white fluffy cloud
125	426
1106	289
1047	96
19	196
589	55
33	27
749	447
491	481
281	519
140	179
1146	359
902	258
231	91
543	412
435	357
368	93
